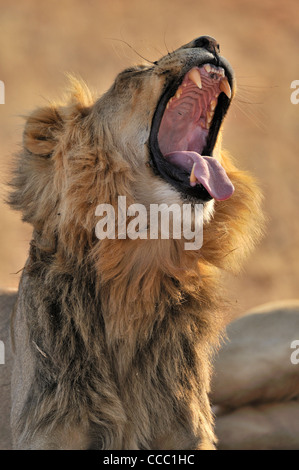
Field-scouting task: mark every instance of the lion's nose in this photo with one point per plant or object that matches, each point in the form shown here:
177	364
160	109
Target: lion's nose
209	43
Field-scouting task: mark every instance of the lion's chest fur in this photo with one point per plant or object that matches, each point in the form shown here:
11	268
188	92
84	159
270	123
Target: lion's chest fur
74	367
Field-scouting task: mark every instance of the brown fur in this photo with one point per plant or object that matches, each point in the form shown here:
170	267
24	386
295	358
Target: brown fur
115	337
7	301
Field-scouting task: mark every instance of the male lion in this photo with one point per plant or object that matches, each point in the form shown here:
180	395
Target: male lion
113	338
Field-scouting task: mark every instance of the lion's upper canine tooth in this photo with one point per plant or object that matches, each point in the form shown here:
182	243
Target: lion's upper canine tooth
194	76
192	176
225	87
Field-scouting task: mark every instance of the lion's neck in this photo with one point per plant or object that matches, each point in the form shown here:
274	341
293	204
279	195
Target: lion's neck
134	281
128	302
141	280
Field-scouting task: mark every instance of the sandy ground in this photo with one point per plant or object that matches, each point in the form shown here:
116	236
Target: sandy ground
39	41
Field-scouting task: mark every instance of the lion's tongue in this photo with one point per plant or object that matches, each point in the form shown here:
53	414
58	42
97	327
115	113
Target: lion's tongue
207	171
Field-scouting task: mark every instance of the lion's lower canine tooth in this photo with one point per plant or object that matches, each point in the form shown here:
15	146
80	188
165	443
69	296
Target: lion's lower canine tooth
194	76
192	176
225	87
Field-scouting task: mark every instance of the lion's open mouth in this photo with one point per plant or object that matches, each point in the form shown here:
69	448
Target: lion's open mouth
185	129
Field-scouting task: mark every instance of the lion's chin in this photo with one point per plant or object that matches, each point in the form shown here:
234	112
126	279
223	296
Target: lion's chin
149	191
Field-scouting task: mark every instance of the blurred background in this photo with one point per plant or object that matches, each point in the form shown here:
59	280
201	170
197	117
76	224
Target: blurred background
41	40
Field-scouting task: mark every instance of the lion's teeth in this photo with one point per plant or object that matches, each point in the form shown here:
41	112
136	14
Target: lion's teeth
218	70
194	76
209	118
213	105
179	92
192	176
207	68
225	87
169	103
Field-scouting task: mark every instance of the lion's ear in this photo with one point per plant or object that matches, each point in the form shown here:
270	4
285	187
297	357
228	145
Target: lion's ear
41	131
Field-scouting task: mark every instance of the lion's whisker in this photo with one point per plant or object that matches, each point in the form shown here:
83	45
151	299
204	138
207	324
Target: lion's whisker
250	113
133	49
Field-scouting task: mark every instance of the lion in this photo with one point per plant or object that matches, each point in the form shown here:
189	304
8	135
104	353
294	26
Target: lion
114	338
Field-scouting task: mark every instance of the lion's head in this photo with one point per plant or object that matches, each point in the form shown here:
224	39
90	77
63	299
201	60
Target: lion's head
153	137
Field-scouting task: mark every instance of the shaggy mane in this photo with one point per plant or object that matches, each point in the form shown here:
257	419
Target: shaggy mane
117	324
